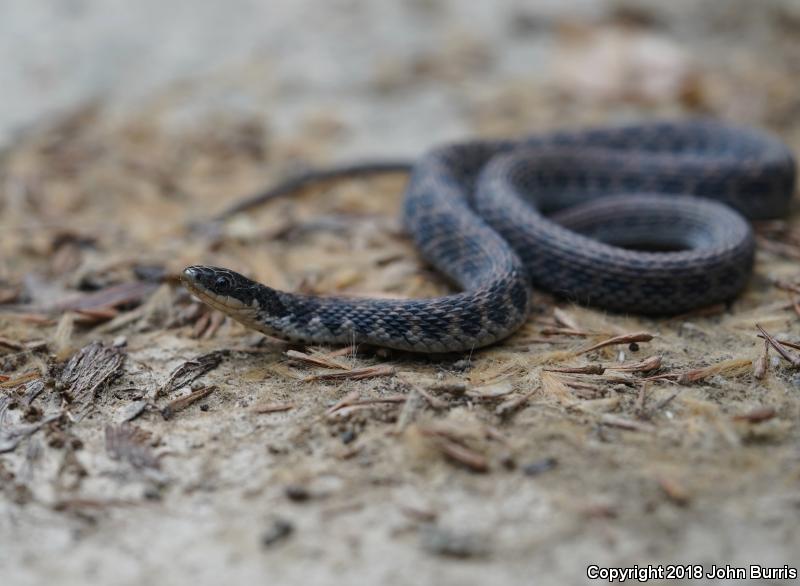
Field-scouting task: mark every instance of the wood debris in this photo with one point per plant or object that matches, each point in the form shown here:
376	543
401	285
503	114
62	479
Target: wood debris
433	401
132	444
207	324
89	370
565	319
733	367
453	447
623	423
761	364
510	405
352	403
9	294
272	408
190	371
756	415
11	436
353	374
646	365
587	369
11	344
22	379
182	403
674	491
344	371
318	359
115	296
779	347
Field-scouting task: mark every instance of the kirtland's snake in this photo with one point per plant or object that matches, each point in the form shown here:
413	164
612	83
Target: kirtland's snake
645	219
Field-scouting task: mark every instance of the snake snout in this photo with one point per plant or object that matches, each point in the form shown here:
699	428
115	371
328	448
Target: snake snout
210	283
196	274
212	279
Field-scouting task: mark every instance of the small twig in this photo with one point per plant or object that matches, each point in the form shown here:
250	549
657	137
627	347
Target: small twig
182	403
317	360
434	402
622	423
786	286
648	364
23	378
348	399
734	366
491	391
786	343
190	371
757	415
111	297
674	491
409	411
778	248
792	359
463	455
93	316
346	409
623	339
665	402
451	387
550	331
350	351
578	384
640	399
566	320
214	323
272	408
761	363
353	374
513	403
10	344
588	369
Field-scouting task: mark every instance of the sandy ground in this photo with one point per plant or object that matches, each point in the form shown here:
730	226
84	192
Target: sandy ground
143	438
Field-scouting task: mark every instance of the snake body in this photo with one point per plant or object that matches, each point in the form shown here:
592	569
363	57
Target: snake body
646	219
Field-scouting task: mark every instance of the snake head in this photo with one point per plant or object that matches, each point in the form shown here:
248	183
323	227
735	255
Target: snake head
241	298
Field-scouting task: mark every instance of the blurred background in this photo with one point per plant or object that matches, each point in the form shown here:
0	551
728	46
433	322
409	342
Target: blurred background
398	75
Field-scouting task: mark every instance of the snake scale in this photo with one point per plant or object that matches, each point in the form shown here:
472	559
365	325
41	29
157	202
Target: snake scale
648	219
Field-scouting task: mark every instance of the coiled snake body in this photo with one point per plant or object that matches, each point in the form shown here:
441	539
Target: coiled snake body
644	219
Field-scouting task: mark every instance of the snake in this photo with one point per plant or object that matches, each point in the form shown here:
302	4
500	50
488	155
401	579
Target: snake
650	218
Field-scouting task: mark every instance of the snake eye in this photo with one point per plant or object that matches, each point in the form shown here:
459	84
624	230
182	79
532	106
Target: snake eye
222	283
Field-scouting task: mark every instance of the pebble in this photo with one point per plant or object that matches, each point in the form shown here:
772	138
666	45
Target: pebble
297	493
451	543
461	365
539	467
279	530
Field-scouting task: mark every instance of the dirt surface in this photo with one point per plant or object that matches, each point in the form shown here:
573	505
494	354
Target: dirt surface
144	438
